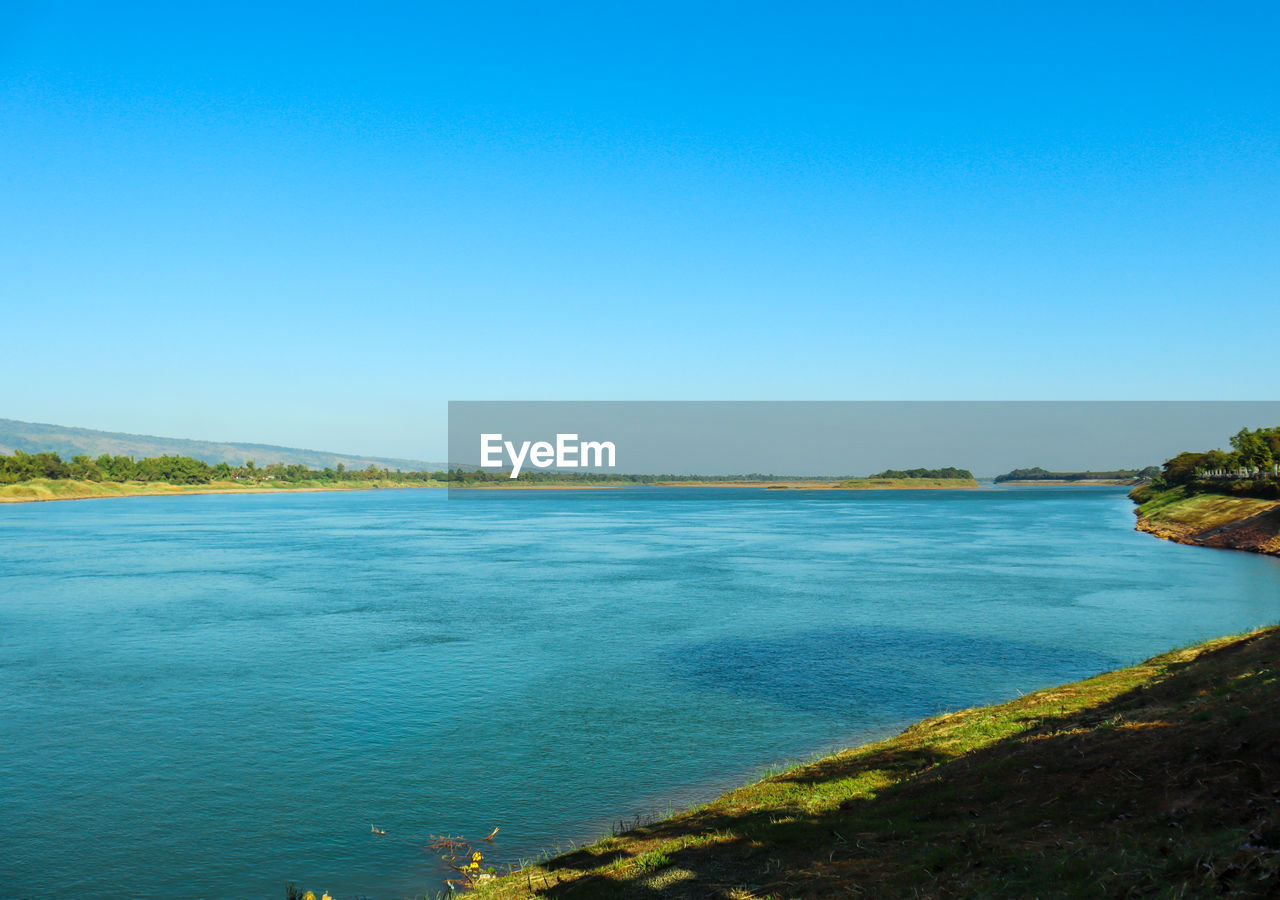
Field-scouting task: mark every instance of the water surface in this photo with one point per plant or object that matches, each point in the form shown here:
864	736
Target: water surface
206	696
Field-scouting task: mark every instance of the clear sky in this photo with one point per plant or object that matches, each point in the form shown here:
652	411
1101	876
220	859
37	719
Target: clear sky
313	224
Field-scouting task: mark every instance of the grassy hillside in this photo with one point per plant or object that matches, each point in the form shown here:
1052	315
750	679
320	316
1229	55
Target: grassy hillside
31	437
70	489
1162	779
1211	520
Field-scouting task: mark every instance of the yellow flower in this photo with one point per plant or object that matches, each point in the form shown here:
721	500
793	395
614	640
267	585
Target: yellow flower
309	895
477	856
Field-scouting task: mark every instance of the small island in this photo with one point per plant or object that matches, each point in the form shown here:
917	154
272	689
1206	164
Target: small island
912	479
1118	477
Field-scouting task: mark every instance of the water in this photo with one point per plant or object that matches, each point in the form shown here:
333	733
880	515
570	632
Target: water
207	696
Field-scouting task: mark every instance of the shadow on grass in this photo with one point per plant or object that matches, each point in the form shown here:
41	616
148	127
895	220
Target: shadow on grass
1170	787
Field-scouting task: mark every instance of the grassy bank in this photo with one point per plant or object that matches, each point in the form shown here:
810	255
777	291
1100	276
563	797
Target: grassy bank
1210	520
69	489
1160	779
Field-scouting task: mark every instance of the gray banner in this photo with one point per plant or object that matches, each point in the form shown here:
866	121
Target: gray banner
832	439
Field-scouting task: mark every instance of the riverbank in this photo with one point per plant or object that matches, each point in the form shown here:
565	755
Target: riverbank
1158	778
68	489
1210	520
1078	482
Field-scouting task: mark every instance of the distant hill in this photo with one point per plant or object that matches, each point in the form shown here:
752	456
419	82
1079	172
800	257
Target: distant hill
31	437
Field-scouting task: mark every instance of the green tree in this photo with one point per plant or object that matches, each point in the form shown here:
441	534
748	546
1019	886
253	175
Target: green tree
85	469
1253	448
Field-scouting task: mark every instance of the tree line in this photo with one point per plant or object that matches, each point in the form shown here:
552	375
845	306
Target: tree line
21	466
184	470
1258	448
949	472
1038	474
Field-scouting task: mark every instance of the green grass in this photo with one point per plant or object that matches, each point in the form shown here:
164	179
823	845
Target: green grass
1198	512
1151	499
1160	779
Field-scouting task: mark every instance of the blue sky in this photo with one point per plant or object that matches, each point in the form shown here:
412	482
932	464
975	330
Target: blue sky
314	226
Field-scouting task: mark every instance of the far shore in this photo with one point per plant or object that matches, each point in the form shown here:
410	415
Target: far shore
854	484
1087	482
64	489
